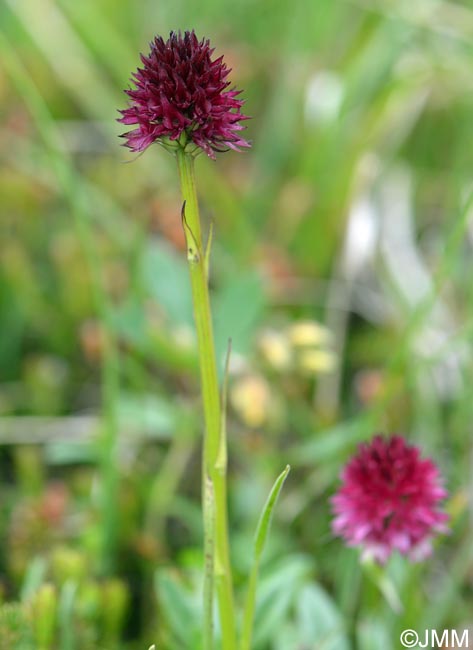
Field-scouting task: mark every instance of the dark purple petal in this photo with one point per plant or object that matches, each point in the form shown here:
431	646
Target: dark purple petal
180	90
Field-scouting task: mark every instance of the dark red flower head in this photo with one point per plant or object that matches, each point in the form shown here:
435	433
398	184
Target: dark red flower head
182	99
389	500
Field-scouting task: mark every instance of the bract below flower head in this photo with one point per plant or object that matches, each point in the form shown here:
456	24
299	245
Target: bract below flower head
389	500
182	99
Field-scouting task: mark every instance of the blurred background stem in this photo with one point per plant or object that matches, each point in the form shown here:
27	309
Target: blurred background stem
214	479
62	168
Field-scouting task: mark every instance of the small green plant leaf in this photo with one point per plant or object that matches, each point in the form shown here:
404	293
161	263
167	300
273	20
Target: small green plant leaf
262	531
266	516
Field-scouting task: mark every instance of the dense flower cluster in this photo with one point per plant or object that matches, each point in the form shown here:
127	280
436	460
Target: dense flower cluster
181	98
389	500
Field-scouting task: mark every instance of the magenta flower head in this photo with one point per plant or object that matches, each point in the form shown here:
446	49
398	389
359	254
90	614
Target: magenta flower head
389	500
182	99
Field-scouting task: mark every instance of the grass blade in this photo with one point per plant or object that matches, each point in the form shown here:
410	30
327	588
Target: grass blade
261	536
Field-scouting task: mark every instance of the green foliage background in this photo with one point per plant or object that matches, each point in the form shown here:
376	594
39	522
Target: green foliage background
353	208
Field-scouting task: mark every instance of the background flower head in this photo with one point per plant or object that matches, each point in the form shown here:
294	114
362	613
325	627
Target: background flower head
389	500
182	98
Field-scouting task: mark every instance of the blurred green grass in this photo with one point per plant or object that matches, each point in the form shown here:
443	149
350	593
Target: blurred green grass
353	208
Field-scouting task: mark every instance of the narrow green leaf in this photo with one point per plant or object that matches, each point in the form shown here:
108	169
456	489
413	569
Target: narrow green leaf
208	249
262	531
266	516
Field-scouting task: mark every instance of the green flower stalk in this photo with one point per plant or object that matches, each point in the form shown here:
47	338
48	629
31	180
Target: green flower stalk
181	100
216	550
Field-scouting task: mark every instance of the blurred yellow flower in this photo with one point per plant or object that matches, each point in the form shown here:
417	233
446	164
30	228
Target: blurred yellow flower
314	361
250	396
308	333
275	349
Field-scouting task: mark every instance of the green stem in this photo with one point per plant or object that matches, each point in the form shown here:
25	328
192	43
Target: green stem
249	610
214	477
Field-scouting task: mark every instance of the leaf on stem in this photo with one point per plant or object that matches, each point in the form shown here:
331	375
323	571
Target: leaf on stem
261	536
193	251
266	516
208	249
221	462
